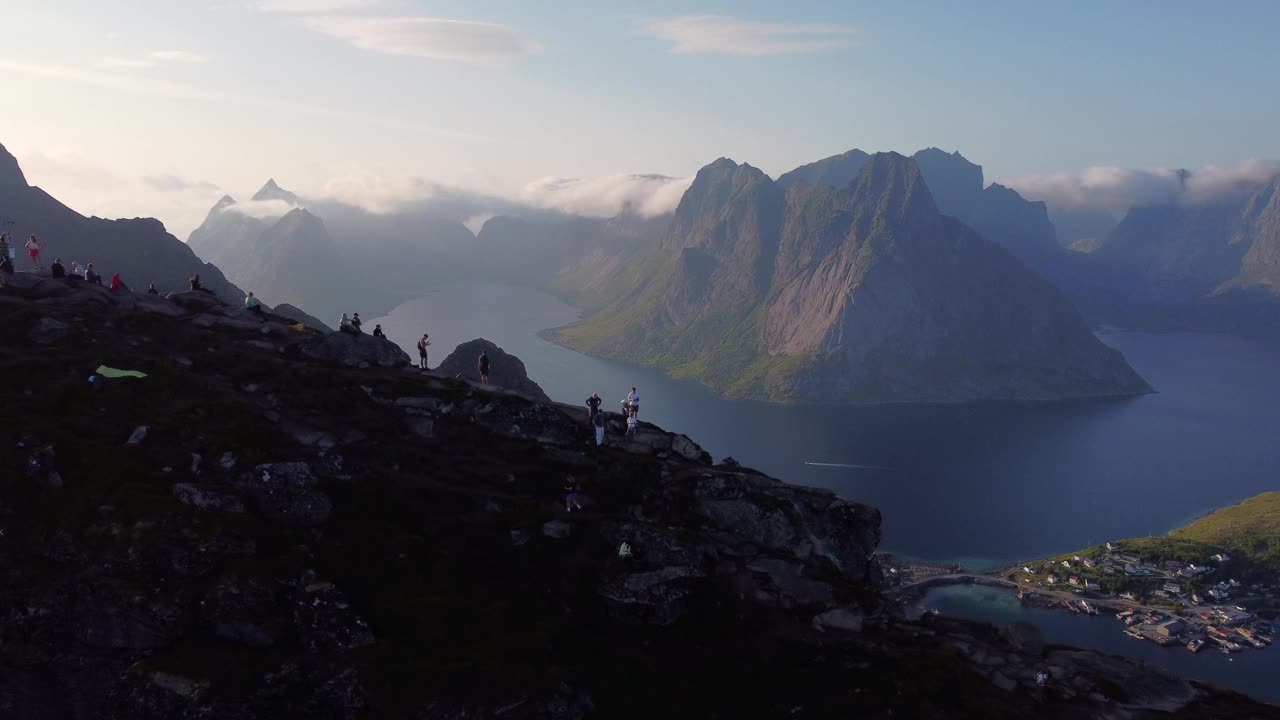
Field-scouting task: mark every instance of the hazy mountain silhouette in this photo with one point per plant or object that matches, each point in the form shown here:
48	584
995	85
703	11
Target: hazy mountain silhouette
139	249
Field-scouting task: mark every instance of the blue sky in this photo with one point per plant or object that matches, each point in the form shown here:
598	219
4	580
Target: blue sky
156	108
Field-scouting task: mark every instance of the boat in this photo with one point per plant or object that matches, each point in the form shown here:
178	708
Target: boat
1195	645
1131	621
1135	632
1086	607
1266	639
1124	614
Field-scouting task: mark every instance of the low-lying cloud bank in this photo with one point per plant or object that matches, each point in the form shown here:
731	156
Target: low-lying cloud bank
607	196
1116	189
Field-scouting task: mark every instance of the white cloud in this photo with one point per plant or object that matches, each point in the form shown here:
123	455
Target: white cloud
377	194
721	35
609	195
437	38
1116	189
312	6
262	209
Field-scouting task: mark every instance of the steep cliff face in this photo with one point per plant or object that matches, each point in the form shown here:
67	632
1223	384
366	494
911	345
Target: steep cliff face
865	294
252	531
139	249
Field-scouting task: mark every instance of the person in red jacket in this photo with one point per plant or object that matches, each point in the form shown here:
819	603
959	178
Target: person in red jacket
117	283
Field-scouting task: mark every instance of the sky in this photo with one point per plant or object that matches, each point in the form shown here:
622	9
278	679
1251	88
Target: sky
157	108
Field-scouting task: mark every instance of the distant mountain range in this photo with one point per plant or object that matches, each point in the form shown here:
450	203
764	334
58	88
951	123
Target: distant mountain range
139	249
865	293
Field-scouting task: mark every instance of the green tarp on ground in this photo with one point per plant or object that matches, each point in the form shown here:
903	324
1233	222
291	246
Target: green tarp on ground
110	372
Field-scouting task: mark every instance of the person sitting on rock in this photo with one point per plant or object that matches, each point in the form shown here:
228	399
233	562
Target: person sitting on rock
344	323
483	366
251	303
422	351
151	289
377	332
571	494
91	275
197	284
593	407
355	322
117	283
57	270
77	270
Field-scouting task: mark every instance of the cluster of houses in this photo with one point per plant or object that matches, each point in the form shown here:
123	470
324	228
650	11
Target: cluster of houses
1176	573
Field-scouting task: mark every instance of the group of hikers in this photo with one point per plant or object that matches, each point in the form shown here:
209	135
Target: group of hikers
630	410
353	324
75	272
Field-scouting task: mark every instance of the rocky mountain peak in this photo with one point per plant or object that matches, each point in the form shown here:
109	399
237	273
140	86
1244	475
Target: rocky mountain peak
956	182
836	171
897	185
272	191
10	173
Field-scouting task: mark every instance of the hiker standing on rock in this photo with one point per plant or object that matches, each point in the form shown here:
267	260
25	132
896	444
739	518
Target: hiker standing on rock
483	366
422	352
571	494
194	282
593	406
632	403
597	419
632	424
33	251
4	246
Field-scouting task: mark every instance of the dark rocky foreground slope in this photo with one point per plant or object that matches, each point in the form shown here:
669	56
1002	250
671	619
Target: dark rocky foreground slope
251	533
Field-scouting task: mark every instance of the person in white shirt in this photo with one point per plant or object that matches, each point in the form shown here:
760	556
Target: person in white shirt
632	424
633	403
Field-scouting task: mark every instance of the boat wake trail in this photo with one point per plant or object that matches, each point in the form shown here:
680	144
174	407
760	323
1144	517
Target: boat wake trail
851	465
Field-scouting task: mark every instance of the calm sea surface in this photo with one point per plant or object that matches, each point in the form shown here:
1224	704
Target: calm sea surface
979	484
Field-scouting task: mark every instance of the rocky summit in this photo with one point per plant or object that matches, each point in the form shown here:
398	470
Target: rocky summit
246	527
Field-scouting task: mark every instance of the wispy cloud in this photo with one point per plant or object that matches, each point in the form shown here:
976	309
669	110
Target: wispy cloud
151	59
153	87
176	56
173	183
721	35
312	6
438	38
609	195
1116	189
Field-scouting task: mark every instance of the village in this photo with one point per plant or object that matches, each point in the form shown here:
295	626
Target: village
1168	602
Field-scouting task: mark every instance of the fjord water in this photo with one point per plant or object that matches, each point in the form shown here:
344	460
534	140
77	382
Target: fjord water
975	484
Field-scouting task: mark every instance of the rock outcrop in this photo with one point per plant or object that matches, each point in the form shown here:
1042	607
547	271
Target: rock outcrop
288	542
357	350
505	370
297	314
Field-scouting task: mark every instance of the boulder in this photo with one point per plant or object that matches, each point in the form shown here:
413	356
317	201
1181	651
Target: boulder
326	622
505	371
285	492
204	497
48	330
356	350
290	312
557	529
840	618
195	300
656	597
